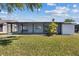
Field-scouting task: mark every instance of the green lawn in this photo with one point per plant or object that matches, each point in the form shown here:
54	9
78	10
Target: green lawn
41	45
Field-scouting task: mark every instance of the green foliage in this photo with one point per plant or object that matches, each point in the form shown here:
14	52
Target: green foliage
33	6
52	28
69	20
10	7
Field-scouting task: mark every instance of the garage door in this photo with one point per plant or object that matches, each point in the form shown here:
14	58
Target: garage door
67	29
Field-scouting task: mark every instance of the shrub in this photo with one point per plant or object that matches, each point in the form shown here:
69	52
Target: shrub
52	28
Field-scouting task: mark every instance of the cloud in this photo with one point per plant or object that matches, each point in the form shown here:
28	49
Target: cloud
75	10
2	16
51	4
59	11
62	10
74	5
75	17
3	12
47	11
39	9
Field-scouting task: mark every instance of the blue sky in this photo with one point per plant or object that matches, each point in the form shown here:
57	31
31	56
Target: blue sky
58	11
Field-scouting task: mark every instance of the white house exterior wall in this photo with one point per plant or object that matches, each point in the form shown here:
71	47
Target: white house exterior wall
36	28
4	28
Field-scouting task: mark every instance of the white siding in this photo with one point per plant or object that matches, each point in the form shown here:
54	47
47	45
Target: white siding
9	29
14	28
67	28
4	28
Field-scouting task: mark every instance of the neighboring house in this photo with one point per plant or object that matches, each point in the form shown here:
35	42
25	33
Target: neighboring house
10	26
77	28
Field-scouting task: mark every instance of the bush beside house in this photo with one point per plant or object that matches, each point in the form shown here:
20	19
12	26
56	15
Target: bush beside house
52	29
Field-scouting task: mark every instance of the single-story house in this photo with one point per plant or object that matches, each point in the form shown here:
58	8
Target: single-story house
11	26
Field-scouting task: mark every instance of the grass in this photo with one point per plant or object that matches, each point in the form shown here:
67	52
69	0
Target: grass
57	45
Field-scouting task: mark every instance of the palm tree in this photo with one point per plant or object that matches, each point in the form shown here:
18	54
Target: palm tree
10	7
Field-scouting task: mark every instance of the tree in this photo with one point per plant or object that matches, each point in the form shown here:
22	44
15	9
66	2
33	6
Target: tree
52	28
10	7
69	20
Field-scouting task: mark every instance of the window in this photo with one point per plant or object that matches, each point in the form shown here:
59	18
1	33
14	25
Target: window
37	27
45	28
1	27
25	28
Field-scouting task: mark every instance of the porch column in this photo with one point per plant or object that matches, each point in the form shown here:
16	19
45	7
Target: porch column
43	27
18	28
32	28
11	28
7	28
22	27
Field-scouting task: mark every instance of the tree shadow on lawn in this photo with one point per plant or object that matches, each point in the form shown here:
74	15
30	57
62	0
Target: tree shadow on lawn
5	42
8	41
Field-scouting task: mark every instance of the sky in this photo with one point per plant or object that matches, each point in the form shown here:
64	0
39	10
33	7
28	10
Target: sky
58	11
